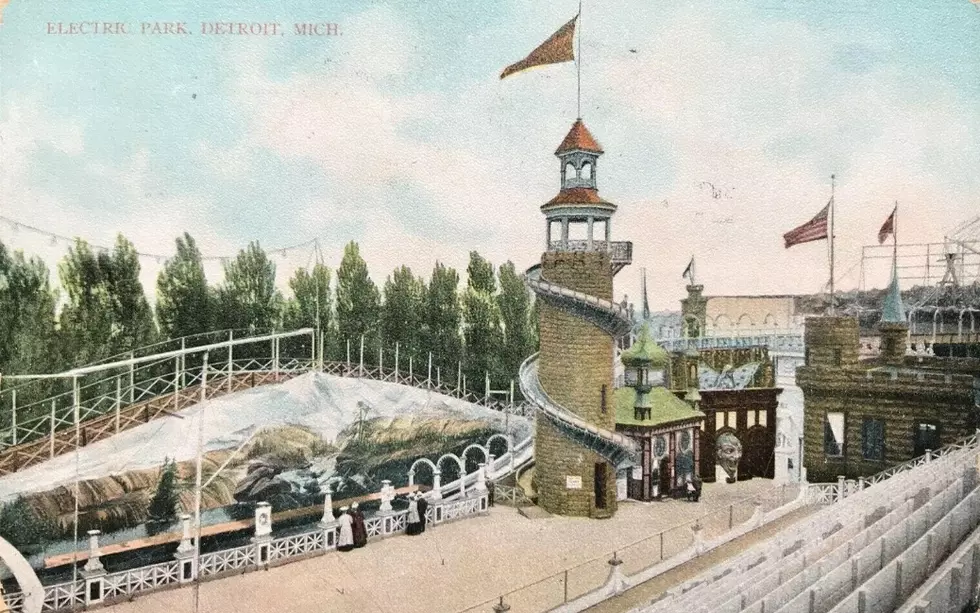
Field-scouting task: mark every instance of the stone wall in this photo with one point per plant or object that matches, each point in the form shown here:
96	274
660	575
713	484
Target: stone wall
828	338
901	401
576	361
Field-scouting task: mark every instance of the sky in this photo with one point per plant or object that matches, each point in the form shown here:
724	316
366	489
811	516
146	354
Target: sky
722	124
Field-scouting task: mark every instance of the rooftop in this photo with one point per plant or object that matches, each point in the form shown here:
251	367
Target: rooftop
666	408
578	195
578	139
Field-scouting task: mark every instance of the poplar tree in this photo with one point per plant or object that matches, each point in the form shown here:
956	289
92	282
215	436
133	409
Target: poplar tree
482	332
442	321
358	305
515	311
401	314
184	301
248	298
312	299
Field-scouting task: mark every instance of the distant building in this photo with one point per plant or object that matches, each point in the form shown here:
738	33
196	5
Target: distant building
864	415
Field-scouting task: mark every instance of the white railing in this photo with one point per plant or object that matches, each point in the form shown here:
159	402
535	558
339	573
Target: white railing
140	579
126	584
223	561
297	545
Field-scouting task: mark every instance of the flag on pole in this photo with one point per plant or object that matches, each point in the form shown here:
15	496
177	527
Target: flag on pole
689	271
558	48
887	228
813	230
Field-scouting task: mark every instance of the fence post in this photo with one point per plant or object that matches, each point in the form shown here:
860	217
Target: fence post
183	358
13	415
328	523
381	362
93	572
459	376
438	377
132	380
118	400
263	533
486	386
437	485
52	428
840	488
396	361
319	361
501	607
177	372
348	356
428	379
275	358
565	599
360	368
313	341
731	516
616	583
186	560
231	363
411	378
661	546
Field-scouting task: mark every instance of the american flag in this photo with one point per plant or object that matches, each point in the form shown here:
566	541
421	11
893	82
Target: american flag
888	227
813	230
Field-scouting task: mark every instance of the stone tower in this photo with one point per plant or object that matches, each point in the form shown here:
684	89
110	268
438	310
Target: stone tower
694	310
573	474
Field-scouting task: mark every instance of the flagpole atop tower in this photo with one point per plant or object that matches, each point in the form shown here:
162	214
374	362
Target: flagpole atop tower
578	64
895	237
832	206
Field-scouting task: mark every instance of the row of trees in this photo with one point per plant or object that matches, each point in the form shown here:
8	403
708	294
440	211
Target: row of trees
488	325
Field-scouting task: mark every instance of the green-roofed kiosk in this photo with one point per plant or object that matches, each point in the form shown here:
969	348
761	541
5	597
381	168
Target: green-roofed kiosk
666	427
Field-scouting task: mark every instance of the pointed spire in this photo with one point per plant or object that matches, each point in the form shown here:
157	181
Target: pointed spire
893	311
646	303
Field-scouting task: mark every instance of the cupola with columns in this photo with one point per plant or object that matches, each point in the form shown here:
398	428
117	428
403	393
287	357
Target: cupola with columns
578	218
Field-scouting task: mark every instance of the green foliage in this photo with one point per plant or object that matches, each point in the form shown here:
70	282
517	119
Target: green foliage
248	298
27	315
25	529
163	505
401	315
184	301
312	303
107	311
514	302
441	322
358	304
482	331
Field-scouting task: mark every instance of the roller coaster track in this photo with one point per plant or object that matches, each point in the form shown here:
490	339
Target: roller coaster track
619	450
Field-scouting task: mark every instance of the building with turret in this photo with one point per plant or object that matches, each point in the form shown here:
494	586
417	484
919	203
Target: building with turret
864	415
577	451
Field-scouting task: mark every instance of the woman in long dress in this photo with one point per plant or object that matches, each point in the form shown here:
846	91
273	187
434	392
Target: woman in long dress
357	525
413	525
345	540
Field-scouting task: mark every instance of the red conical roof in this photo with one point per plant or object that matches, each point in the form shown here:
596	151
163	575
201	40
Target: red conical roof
578	138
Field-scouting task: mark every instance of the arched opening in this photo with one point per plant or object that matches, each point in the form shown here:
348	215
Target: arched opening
569	174
586	171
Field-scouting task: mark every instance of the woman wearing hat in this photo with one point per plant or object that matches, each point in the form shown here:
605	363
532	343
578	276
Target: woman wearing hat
357	526
413	525
345	540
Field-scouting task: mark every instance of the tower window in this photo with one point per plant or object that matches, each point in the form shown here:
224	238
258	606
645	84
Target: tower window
873	439
833	435
587	171
603	399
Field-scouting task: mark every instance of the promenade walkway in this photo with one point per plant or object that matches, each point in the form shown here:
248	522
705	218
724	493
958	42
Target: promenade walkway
451	567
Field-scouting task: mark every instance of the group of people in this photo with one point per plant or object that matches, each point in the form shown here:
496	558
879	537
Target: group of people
415	522
352	531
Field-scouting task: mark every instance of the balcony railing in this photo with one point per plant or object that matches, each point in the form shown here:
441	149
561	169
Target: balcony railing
620	251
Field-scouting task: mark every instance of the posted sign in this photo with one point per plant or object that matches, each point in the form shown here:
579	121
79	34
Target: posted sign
573	482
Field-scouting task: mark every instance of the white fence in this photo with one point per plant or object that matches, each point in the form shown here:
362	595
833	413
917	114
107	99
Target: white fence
99	587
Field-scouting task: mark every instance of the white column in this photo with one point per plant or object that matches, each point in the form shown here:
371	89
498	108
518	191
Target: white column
437	485
591	220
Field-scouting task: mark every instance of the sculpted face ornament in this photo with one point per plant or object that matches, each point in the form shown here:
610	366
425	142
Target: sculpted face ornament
728	450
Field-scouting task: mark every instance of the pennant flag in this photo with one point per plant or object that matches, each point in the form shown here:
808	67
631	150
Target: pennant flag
813	230
689	271
888	228
557	49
